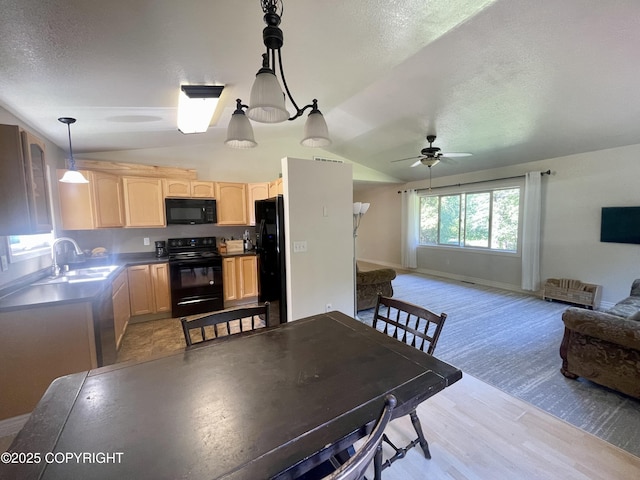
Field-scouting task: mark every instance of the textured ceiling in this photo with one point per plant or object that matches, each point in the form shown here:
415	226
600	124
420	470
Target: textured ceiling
509	81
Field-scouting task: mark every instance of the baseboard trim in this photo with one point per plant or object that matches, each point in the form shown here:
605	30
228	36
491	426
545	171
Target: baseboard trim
11	426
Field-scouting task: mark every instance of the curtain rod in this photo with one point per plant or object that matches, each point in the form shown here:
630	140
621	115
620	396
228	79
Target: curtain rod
548	172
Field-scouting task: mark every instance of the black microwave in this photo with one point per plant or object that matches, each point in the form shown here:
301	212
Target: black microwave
190	211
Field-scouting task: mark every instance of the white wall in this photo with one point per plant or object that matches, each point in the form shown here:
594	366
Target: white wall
580	185
318	210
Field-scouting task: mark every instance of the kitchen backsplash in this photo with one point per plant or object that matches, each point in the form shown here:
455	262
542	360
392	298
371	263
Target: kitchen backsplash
131	240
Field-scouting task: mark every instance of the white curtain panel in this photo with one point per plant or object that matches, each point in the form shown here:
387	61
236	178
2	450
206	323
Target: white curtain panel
531	232
409	230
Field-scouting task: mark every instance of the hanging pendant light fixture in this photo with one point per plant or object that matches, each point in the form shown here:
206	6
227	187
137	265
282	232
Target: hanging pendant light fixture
267	100
72	175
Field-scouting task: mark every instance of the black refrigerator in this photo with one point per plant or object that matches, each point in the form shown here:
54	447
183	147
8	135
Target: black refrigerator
270	247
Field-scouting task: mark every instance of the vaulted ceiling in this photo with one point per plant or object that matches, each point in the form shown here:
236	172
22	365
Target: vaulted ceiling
510	81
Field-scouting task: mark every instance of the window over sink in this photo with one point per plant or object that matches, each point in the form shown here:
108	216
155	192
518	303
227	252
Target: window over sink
23	247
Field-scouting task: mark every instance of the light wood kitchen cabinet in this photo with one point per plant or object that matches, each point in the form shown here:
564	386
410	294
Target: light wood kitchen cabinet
24	192
143	202
231	203
37	346
97	204
255	191
203	189
140	290
240	278
188	188
275	187
175	187
149	288
160	283
121	305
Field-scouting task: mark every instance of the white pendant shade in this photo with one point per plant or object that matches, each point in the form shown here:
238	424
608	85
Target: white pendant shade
316	133
240	132
266	104
73	176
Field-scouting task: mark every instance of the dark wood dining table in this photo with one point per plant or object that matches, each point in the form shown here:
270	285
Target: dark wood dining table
271	403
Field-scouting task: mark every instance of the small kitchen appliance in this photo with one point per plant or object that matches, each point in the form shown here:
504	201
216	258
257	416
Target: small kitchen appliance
161	248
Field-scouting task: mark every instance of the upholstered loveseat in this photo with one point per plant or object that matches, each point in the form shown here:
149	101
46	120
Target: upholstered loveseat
604	347
370	283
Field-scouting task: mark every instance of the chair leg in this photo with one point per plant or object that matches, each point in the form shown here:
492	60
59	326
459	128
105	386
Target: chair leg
377	463
418	428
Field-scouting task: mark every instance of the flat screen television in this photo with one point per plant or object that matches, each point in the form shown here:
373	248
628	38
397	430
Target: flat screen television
620	225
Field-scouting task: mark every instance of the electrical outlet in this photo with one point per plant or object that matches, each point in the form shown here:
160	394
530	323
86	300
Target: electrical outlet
146	241
328	308
4	264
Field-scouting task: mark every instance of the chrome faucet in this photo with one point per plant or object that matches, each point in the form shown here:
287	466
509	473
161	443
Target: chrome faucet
55	267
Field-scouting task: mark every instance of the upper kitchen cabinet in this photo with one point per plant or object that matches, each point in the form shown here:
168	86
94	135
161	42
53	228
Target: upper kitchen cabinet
255	191
24	190
143	202
203	189
188	188
97	204
275	188
231	203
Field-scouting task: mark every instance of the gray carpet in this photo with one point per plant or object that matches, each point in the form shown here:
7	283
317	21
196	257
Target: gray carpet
511	341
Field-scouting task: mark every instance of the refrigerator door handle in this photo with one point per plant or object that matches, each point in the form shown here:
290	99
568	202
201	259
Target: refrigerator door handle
262	230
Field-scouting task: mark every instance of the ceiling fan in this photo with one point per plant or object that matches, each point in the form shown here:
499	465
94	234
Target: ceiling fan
431	155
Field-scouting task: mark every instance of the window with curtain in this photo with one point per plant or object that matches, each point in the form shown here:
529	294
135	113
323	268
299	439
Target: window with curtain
480	220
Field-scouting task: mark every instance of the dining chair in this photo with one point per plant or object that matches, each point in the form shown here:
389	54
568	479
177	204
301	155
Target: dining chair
355	467
420	328
225	322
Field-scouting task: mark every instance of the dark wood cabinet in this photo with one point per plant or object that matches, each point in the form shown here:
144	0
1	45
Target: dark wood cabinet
24	189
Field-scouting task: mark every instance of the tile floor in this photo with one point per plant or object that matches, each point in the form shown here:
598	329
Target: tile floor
157	338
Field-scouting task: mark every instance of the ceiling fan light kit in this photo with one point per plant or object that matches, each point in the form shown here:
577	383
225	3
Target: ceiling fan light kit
267	100
431	156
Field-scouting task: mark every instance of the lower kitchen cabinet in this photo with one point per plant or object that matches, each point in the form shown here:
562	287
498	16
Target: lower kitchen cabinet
161	290
149	288
121	305
240	278
37	346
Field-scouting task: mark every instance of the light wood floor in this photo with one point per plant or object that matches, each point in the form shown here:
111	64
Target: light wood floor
476	431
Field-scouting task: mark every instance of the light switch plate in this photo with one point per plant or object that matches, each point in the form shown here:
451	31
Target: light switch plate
4	263
299	247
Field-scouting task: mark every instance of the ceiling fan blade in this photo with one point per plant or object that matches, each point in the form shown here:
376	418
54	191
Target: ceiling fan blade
448	161
456	154
408	158
415	164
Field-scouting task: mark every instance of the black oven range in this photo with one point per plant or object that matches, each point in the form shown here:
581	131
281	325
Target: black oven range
195	272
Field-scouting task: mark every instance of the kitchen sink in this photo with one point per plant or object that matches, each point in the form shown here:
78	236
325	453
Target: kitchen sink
80	275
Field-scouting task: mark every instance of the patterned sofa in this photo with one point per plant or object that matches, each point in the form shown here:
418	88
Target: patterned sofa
372	282
604	347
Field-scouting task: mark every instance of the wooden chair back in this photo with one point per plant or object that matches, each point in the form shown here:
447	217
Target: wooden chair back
409	323
225	322
355	467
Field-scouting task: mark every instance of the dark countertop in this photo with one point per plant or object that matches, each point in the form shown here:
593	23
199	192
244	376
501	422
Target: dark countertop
35	296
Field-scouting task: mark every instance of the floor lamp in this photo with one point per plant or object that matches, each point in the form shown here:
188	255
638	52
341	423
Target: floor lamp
359	209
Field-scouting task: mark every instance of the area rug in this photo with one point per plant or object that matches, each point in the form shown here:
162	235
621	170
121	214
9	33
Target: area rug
511	340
